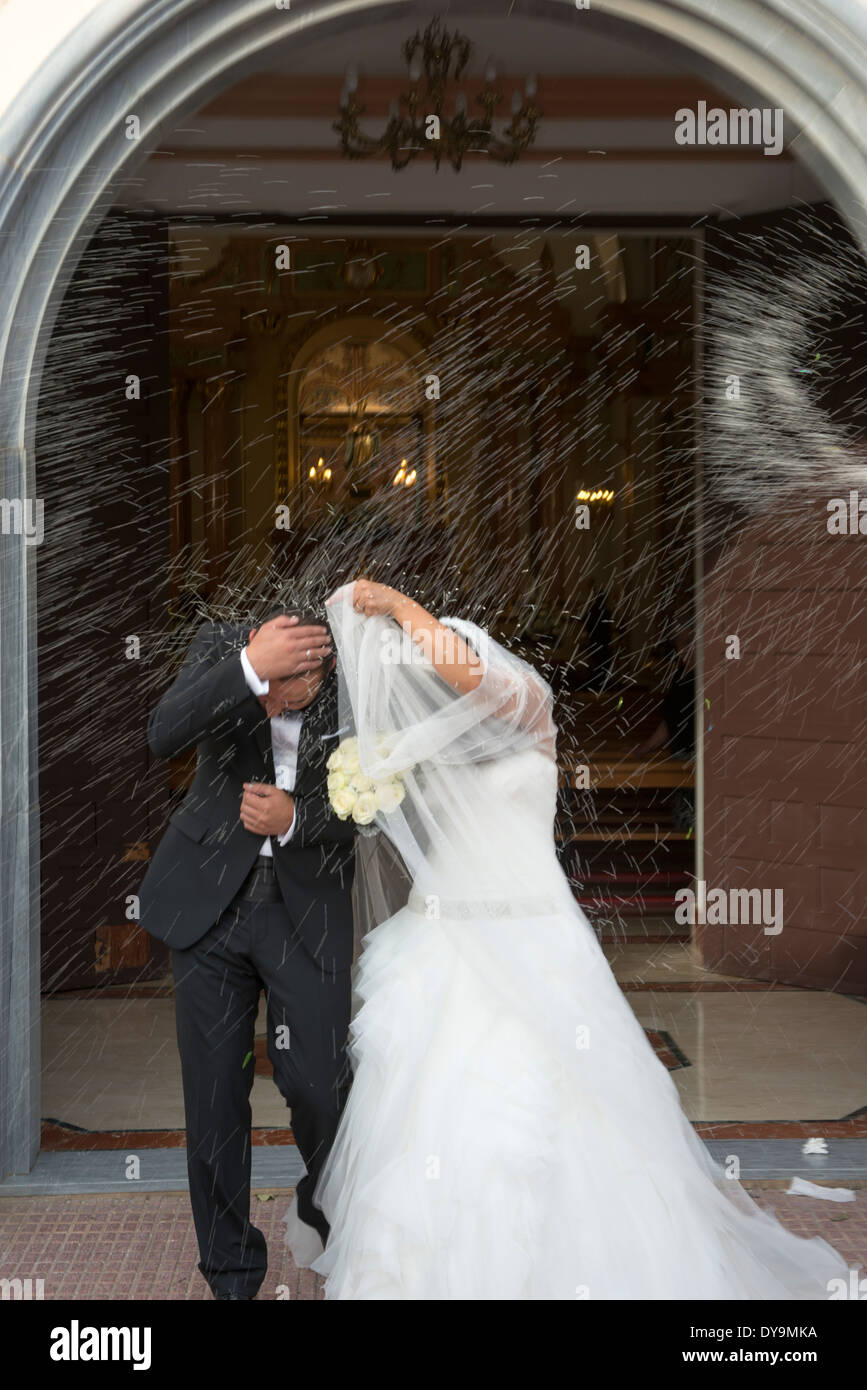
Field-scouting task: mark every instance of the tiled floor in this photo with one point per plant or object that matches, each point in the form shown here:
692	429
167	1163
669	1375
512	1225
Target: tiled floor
659	962
784	1055
739	1051
113	1064
141	1246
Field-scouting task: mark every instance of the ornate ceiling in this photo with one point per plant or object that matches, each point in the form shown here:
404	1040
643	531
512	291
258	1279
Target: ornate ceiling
606	145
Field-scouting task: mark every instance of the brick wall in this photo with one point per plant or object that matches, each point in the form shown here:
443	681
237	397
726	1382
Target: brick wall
786	747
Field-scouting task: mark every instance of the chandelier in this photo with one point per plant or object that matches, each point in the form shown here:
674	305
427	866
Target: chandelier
601	495
418	122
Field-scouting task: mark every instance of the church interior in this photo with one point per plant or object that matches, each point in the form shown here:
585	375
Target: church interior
476	377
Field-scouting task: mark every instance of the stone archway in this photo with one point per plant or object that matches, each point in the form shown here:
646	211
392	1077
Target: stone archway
64	141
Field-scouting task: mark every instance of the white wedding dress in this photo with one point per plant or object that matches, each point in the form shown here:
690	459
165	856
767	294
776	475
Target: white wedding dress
510	1133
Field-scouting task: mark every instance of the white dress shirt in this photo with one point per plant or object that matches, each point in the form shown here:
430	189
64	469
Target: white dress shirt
285	733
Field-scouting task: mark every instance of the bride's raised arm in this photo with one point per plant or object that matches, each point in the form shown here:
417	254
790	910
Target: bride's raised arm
523	696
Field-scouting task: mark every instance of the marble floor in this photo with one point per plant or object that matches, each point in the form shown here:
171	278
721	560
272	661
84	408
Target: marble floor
113	1064
738	1052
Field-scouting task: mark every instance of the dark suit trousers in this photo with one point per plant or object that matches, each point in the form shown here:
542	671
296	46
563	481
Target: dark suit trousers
217	983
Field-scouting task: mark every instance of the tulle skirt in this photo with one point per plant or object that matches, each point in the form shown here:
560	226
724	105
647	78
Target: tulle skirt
530	1147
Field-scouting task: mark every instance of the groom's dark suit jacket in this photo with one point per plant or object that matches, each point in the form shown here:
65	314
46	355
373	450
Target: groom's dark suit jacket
206	853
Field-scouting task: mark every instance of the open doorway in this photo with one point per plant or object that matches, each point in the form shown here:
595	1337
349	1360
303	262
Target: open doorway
232	470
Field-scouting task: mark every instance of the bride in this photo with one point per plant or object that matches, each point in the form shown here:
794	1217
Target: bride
510	1133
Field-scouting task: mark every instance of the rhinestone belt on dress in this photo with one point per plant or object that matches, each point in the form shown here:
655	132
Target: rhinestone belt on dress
463	909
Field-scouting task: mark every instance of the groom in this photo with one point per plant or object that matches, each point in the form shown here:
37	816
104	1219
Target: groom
251	886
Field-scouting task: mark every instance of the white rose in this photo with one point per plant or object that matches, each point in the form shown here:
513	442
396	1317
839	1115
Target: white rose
360	783
343	802
389	795
335	781
351	763
335	761
364	809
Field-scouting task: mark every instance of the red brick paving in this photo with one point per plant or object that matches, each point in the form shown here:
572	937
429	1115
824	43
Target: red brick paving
141	1246
136	1246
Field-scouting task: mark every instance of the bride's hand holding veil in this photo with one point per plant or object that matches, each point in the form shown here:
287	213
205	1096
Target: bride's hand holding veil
456	661
374	599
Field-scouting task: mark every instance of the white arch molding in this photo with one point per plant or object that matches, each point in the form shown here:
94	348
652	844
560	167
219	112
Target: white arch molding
63	146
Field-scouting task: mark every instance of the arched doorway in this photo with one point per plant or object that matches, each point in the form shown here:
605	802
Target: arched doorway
63	151
353	399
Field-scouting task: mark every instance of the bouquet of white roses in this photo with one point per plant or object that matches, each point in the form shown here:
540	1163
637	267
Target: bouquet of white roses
354	794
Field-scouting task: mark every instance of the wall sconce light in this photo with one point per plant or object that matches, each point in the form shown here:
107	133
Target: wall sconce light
320	476
404	476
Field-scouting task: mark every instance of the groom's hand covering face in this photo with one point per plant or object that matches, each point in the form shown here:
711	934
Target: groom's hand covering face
287	648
